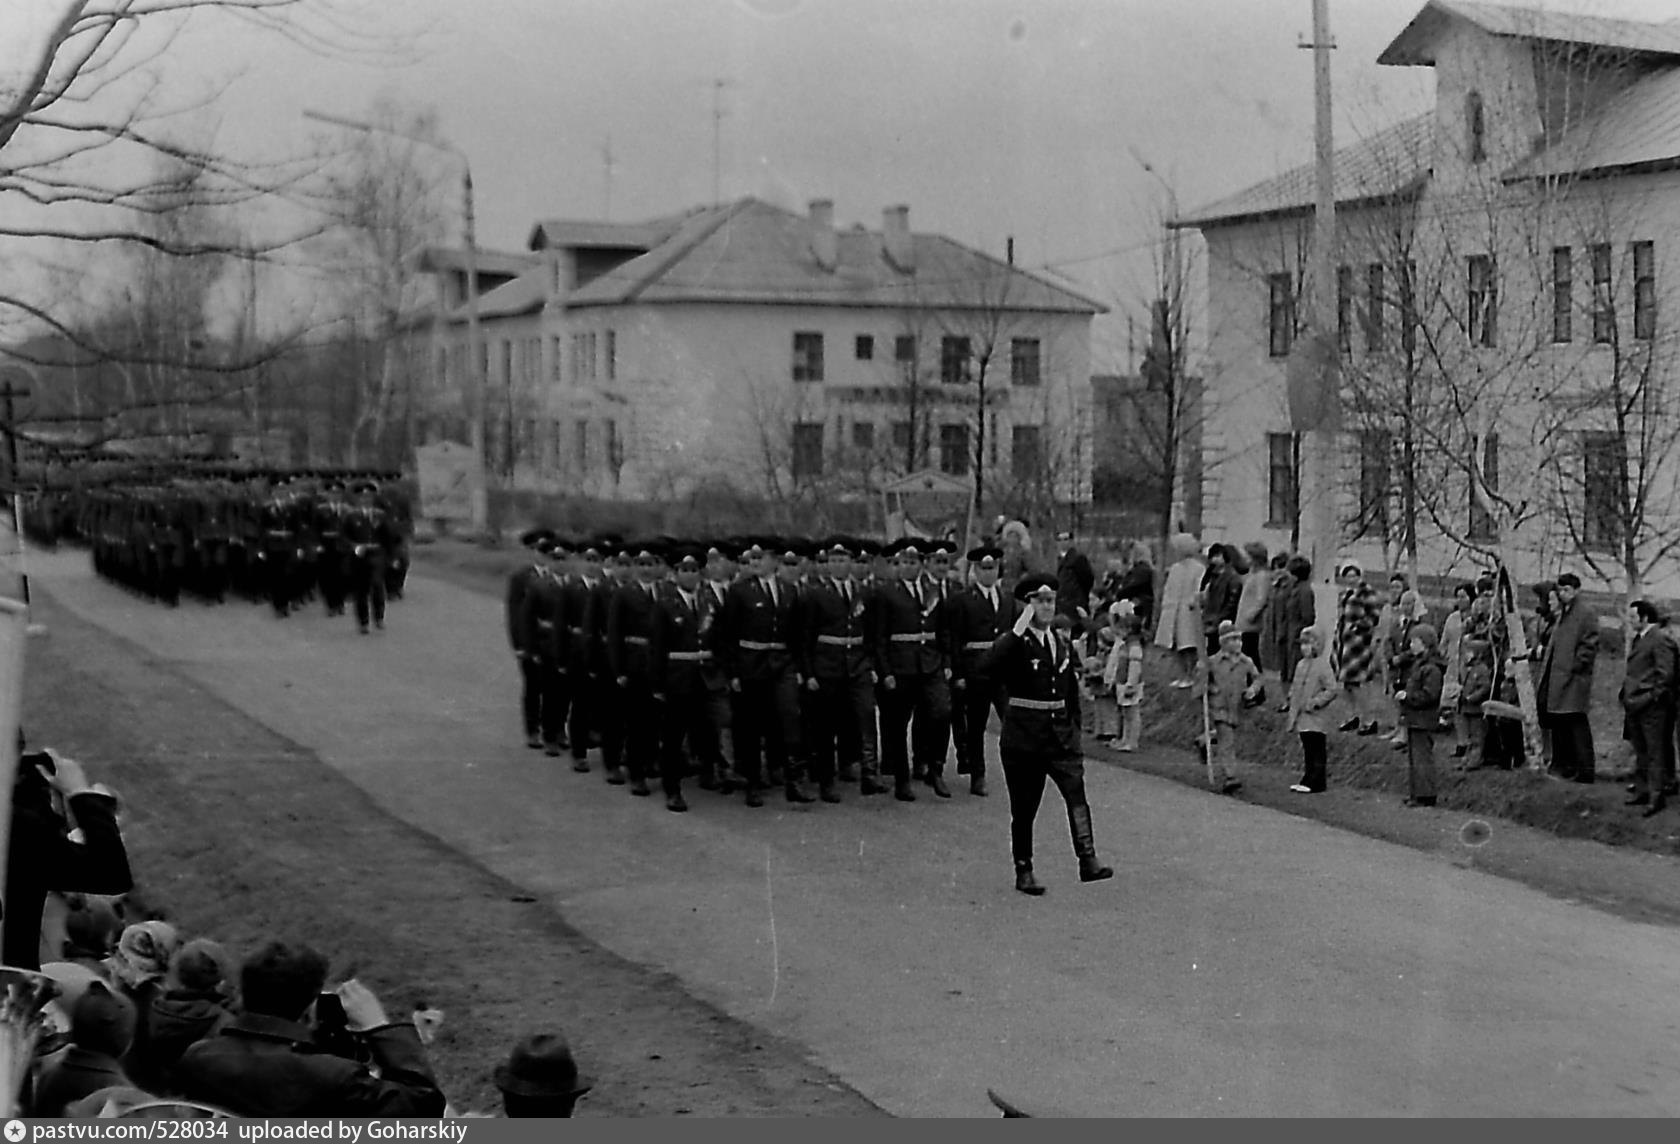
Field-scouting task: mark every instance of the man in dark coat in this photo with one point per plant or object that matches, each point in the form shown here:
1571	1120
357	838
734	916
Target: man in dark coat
608	715
976	617
40	857
1074	581
1647	697
632	627
265	1062
1564	690
681	652
839	679
906	641
1038	670
755	641
518	616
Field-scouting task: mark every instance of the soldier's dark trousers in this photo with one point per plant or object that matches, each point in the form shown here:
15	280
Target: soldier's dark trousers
335	581
760	716
556	700
687	720
531	673
842	726
976	702
1025	775
1646	733
641	719
278	574
610	724
722	719
930	738
898	704
370	589
585	712
396	572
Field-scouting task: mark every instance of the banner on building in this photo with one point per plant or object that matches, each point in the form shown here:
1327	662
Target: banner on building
451	480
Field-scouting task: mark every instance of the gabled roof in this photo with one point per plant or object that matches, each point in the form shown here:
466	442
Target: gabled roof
524	295
1393	164
499	262
573	233
1639	128
749	251
1417	43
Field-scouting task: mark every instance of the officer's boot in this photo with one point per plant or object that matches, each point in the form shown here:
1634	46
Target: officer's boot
1085	846
1024	880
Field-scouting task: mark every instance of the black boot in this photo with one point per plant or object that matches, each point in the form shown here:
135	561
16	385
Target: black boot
1024	880
1085	846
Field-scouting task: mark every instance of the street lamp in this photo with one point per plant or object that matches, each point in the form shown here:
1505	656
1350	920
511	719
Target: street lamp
475	343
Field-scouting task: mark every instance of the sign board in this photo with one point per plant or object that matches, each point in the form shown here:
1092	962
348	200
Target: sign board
1314	376
451	481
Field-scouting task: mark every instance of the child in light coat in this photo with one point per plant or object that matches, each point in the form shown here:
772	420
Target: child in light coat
1231	682
1123	676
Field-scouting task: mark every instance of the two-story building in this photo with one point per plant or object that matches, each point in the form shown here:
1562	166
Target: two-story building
747	345
1504	277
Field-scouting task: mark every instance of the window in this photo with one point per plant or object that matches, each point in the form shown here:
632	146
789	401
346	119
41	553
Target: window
580	450
807	450
612	355
1563	294
1026	453
1023	361
1482	301
1280	314
953	360
615	449
1644	290
1604	311
1344	308
442	375
507	361
1475	126
1375	449
953	450
1374	302
904	349
1481	521
1601	517
583	357
863	436
865	347
807	356
556	449
1281	501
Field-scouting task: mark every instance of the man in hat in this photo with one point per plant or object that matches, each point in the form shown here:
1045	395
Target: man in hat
1036	667
681	651
1074	581
1564	690
609	714
906	644
520	584
977	616
540	1078
576	593
368	531
722	567
546	645
755	637
632	616
332	567
838	679
1230	681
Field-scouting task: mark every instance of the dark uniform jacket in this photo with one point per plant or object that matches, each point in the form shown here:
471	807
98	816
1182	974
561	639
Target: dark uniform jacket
682	651
574	616
264	1066
974	627
1567	663
833	631
597	606
1042	719
542	621
756	631
41	857
1650	672
632	617
519	586
907	637
714	593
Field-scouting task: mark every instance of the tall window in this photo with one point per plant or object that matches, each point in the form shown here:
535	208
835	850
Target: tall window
1563	294
1481	521
1482	301
954	356
863	347
807	356
1026	453
441	378
612	355
1475	123
615	449
953	450
507	361
904	353
1281	495
1280	314
901	440
1375	302
807	450
1344	309
580	447
1604	309
1604	458
1375	449
1023	361
1644	290
556	448
863	436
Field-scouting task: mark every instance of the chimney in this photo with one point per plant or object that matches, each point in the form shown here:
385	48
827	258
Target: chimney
825	247
895	235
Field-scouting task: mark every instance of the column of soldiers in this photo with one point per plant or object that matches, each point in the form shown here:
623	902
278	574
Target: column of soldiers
280	539
760	662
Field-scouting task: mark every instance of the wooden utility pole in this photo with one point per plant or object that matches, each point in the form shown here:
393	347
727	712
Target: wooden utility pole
14	489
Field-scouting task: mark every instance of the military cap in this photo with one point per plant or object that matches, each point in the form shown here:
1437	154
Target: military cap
752	548
906	546
560	546
984	553
839	546
644	551
687	554
590	550
364	487
1035	584
945	548
723	548
867	547
530	536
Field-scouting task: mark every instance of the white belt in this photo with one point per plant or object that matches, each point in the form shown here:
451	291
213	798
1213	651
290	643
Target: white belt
755	645
1037	704
841	641
913	637
688	656
978	645
641	640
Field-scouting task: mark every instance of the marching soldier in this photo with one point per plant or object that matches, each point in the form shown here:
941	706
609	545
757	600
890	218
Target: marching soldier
631	628
910	663
608	714
520	585
721	566
279	552
368	531
755	638
975	618
583	683
545	646
685	619
839	680
1038	669
333	565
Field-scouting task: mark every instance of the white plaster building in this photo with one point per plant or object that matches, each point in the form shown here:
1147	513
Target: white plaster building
749	345
1505	299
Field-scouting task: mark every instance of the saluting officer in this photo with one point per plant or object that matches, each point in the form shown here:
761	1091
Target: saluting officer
754	643
839	679
976	616
910	663
1038	669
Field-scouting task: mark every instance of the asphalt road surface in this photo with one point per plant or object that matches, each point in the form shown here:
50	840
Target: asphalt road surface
1241	962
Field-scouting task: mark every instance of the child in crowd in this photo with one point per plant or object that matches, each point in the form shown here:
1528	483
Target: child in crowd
1099	710
1420	705
1231	682
1123	677
1475	688
1313	690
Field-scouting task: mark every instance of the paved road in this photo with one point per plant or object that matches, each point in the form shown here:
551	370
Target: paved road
1243	962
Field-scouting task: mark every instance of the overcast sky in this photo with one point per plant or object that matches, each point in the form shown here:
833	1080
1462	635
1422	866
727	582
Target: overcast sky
990	118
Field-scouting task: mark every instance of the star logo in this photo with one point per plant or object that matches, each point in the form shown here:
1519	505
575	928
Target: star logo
15	1131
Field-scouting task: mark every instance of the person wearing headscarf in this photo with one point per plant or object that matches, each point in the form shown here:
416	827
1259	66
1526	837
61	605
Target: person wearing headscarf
1180	627
1253	601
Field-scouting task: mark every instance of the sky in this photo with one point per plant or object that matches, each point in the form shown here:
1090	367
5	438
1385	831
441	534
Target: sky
1069	125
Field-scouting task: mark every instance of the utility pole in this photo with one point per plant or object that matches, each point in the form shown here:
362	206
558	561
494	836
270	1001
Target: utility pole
718	85
607	170
1315	359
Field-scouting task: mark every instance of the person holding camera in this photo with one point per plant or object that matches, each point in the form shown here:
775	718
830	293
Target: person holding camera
274	1059
42	856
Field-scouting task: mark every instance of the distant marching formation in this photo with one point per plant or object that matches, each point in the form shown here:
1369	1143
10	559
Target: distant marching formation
283	538
825	662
